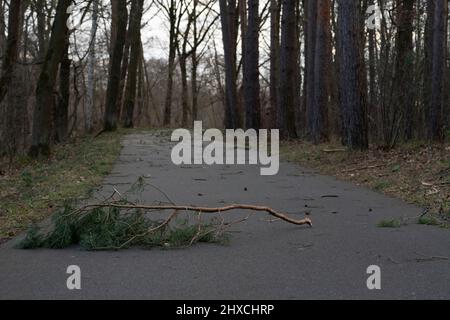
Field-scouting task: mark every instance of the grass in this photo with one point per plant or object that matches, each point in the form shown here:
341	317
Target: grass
417	172
30	190
389	223
430	221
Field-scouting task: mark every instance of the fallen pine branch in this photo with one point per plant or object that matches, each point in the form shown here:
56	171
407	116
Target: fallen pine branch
272	212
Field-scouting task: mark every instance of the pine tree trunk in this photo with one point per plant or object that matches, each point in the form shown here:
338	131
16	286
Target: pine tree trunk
351	74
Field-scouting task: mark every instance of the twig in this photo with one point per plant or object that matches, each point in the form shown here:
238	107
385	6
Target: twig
334	150
364	168
306	221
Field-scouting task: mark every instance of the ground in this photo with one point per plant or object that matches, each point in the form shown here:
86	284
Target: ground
418	173
30	190
265	259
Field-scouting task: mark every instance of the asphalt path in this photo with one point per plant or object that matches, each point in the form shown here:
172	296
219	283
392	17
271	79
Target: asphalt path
265	259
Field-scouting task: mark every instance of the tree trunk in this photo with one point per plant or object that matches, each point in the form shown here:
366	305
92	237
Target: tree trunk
10	81
310	48
288	59
11	54
352	93
120	18
403	86
251	68
91	68
62	110
173	39
135	33
229	33
438	67
42	119
275	12
322	67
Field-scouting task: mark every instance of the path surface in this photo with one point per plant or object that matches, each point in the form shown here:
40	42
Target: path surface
264	260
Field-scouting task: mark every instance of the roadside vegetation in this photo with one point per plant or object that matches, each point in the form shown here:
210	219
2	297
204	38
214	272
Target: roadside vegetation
31	189
418	173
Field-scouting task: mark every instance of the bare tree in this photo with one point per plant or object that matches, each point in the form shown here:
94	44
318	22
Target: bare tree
438	68
288	61
251	67
42	119
229	19
137	7
119	25
11	54
352	93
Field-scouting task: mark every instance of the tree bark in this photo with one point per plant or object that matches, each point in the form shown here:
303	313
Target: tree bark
119	23
352	93
42	119
275	13
135	33
229	34
62	110
251	68
438	70
11	54
173	42
288	59
91	68
322	67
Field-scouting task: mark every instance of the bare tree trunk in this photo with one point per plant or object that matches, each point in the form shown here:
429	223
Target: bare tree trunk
438	75
173	42
229	33
373	92
310	48
403	85
428	64
275	13
2	28
11	54
288	59
9	83
322	66
41	27
119	23
62	109
42	119
91	68
352	93
135	33
251	68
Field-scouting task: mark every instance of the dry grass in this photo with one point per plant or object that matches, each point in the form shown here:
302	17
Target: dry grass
30	190
418	173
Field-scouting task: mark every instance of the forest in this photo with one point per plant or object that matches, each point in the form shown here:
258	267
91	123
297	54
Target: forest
350	199
370	72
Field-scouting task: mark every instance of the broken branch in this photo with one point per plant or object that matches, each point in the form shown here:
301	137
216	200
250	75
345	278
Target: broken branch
305	221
